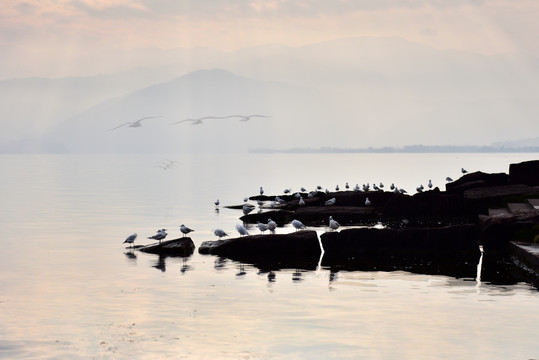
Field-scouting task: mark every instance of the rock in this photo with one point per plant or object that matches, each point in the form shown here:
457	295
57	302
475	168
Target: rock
281	217
475	180
446	250
300	249
183	246
524	173
479	200
345	215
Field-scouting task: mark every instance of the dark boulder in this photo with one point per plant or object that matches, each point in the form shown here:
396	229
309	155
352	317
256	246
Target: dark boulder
475	180
345	215
446	250
300	249
183	246
479	200
524	173
281	217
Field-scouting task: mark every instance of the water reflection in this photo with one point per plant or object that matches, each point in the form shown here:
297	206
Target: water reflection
131	257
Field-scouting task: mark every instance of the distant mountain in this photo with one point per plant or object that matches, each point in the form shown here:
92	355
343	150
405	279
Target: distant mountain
198	94
521	143
350	93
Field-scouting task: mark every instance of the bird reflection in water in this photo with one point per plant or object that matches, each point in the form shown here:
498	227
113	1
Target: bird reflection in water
241	271
271	277
185	266
220	263
296	276
131	257
160	263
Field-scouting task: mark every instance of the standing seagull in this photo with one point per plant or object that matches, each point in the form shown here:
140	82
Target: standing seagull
220	233
430	184
247	117
367	202
185	230
131	239
161	234
241	229
463	170
334	225
262	227
271	226
134	124
217	202
298	225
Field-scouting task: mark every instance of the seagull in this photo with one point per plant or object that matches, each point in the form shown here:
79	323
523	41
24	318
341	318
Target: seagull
241	229
381	185
464	171
334	225
301	201
185	230
303	189
261	191
356	188
130	239
392	187
337	188
134	124
161	234
246	117
430	184
448	179
330	202
262	227
367	202
247	209
286	191
347	186
217	202
419	189
298	225
220	233
198	121
272	225
260	202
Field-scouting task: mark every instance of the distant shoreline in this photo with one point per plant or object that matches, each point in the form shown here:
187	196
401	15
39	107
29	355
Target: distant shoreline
404	149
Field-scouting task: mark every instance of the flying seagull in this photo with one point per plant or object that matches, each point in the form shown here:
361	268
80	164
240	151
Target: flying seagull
247	117
134	124
198	121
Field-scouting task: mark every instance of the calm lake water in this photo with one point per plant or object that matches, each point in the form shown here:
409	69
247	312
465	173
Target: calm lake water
69	288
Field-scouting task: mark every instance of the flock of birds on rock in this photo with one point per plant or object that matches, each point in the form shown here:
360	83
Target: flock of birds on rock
298	225
196	121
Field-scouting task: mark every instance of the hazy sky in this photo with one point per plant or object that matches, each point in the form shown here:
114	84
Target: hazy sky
65	29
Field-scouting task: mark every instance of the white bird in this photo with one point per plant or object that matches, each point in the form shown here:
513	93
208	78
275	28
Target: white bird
334	225
261	191
185	230
381	186
367	202
396	190
430	184
330	202
337	188
303	189
261	226
448	179
241	229
260	202
319	187
298	225
392	187
272	225
347	186
247	117
161	234
245	199
198	121
464	171
286	191
130	239
134	124
220	233
419	189
217	202
301	201
356	188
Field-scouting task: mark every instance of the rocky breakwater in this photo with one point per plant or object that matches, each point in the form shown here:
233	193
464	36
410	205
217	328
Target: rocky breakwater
300	249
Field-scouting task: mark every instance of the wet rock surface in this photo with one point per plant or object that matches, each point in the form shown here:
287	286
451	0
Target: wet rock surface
183	246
